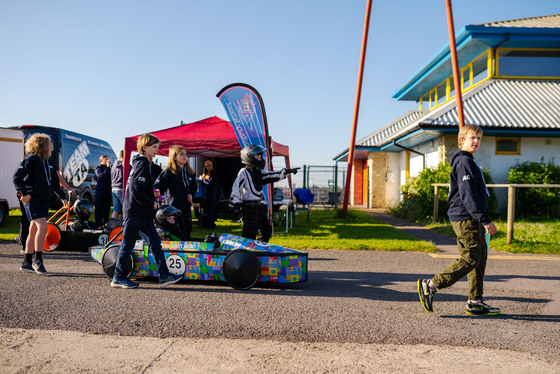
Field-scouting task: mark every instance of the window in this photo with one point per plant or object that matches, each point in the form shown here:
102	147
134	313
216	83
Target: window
480	69
471	74
529	63
508	146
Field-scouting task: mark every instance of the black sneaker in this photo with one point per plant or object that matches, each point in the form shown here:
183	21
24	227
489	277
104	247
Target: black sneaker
26	266
39	267
481	309
426	294
170	279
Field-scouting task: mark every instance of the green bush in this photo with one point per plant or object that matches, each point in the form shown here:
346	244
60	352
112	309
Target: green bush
417	202
536	202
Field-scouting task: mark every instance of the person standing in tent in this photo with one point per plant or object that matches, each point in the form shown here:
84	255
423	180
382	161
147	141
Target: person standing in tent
211	199
247	192
103	196
138	217
177	184
117	185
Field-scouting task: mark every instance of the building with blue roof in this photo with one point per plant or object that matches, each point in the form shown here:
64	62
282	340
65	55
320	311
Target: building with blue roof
510	81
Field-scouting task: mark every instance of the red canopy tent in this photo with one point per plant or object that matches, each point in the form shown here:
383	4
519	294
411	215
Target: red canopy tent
210	137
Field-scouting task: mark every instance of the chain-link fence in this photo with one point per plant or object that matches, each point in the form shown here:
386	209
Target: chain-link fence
319	179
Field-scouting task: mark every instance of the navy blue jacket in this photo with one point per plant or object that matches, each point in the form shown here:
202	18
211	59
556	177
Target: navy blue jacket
103	176
139	199
467	194
179	187
117	175
37	177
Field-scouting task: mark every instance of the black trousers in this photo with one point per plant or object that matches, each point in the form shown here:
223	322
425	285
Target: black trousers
255	218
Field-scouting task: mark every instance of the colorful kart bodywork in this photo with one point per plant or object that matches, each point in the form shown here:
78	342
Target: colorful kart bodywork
239	261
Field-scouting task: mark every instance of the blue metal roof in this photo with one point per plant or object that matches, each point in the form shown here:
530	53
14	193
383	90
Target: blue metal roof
501	107
474	40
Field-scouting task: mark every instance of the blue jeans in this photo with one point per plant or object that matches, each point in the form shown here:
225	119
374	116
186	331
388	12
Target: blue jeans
130	234
117	199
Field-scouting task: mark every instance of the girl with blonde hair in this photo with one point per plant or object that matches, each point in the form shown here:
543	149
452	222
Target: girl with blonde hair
178	185
36	180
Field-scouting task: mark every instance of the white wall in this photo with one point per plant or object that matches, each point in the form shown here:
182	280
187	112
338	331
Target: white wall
393	192
532	149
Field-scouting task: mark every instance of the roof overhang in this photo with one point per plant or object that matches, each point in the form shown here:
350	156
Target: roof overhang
472	41
360	153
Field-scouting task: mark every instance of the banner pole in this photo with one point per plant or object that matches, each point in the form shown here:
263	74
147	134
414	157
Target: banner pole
356	109
455	64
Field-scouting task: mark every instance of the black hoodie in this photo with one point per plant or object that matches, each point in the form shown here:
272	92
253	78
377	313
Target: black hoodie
139	199
467	194
37	177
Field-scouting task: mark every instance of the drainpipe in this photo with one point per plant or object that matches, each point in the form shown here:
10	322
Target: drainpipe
413	151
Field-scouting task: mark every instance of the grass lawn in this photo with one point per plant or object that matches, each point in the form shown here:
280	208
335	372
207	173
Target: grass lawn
326	231
529	236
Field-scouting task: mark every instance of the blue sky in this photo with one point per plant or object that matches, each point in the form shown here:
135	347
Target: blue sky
116	68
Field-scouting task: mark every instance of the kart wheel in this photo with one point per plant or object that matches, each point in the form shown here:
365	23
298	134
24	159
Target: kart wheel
109	261
118	232
241	269
52	240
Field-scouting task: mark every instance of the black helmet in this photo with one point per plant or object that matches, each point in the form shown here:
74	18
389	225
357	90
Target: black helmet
82	209
248	154
164	212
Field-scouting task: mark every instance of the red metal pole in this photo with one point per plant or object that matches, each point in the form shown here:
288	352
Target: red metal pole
356	109
455	63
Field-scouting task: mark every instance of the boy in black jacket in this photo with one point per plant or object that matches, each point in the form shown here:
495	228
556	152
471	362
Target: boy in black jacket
467	213
35	179
138	213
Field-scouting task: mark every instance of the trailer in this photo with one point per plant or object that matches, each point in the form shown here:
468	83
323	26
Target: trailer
11	154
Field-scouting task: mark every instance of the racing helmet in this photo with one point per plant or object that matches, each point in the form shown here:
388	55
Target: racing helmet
82	209
164	212
248	154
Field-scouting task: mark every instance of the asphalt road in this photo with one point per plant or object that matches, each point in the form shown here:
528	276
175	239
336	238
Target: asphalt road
351	297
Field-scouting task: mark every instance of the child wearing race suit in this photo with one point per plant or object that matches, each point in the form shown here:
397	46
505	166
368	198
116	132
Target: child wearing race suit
247	192
35	180
467	213
138	213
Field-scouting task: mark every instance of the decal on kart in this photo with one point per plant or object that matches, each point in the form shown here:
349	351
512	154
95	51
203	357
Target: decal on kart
176	264
103	239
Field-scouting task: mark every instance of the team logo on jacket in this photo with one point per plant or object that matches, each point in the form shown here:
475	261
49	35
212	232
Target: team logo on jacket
466	177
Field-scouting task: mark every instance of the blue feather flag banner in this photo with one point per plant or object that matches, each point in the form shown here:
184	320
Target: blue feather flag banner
245	110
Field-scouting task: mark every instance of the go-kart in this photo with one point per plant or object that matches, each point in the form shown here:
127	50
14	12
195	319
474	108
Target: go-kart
239	261
78	234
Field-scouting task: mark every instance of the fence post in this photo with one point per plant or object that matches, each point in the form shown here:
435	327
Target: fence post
510	213
436	203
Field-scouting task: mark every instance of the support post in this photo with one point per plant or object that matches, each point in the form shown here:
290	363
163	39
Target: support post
436	203
356	109
455	63
510	214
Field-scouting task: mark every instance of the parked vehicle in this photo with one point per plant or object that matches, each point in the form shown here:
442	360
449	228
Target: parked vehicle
75	155
11	153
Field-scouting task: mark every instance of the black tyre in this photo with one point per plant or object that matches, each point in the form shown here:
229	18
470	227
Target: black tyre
3	214
241	269
109	261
